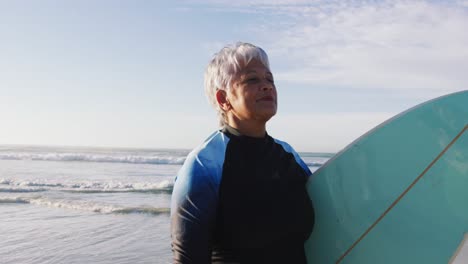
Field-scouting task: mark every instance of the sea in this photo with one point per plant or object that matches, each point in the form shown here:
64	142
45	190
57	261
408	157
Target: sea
90	205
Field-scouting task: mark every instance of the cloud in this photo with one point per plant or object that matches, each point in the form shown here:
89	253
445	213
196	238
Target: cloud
463	3
414	45
398	46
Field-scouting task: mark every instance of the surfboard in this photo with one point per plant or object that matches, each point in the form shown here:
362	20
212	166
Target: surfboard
399	193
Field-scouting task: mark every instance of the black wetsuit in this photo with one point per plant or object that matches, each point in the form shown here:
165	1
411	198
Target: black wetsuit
239	199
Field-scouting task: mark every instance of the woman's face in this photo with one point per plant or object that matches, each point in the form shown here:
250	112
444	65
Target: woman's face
253	93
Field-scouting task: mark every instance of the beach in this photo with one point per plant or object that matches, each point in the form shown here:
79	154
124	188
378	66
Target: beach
90	205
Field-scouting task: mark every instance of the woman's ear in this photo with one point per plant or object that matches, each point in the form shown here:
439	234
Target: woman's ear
223	102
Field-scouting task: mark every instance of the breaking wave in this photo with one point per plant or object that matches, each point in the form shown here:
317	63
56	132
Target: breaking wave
85	187
84	157
84	205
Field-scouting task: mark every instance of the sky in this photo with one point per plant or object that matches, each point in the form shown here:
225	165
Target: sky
113	73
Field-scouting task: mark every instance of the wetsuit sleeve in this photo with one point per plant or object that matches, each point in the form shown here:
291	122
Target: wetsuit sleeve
193	211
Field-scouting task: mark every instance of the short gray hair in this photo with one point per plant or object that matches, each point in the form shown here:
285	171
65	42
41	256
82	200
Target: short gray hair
225	65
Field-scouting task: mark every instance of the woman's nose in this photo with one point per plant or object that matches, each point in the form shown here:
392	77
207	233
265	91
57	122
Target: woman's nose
267	85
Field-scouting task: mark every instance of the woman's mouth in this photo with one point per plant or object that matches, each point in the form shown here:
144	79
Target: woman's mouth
266	98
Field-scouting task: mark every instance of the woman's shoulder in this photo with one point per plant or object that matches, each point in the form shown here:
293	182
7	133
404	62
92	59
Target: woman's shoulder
211	149
210	154
286	146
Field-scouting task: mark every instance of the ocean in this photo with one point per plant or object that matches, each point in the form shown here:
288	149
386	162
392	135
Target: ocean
90	205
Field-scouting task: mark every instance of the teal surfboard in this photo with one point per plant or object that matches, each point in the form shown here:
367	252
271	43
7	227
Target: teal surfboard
398	194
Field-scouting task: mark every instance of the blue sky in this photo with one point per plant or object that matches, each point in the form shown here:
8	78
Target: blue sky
130	73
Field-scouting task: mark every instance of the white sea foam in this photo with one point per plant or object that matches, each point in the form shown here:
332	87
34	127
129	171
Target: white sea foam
14	200
5	181
82	205
21	190
11	185
93	157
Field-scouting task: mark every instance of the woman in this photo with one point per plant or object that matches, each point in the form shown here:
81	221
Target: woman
240	197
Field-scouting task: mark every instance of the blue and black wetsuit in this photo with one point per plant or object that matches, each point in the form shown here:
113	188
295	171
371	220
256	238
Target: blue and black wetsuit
239	199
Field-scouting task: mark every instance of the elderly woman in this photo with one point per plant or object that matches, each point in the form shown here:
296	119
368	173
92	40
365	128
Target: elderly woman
240	196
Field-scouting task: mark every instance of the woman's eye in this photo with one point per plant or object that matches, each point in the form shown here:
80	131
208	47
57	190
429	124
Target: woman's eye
252	80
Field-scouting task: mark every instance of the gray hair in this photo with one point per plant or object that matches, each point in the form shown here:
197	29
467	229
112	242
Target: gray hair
225	65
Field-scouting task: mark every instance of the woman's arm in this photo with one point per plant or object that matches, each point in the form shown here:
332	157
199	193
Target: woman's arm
193	212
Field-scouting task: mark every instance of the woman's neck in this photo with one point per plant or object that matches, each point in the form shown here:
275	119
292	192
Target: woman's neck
251	129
